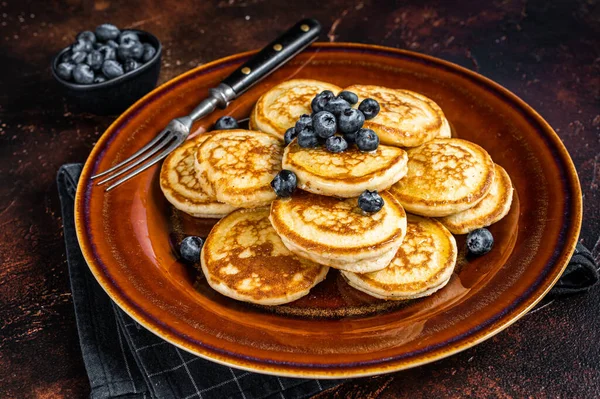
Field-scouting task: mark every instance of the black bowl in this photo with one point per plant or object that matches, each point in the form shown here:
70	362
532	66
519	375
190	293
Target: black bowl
115	95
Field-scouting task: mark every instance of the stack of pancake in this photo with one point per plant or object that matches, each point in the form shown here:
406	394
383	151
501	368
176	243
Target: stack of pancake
271	250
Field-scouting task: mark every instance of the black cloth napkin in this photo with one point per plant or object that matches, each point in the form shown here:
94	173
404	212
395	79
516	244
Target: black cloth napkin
123	360
582	273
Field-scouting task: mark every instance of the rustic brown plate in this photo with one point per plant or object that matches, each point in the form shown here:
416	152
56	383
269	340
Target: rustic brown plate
127	235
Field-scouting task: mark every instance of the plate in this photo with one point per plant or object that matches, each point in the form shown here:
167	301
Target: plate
128	236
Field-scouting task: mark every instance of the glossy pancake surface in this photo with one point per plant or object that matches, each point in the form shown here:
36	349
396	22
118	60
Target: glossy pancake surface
346	174
492	208
445	176
243	258
239	166
422	265
180	185
406	118
337	233
279	108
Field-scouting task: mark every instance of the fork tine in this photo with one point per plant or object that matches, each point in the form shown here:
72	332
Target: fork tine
141	159
137	153
160	156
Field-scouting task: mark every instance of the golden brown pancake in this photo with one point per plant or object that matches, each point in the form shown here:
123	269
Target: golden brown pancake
346	174
493	207
243	258
238	166
445	176
279	108
337	233
181	187
406	118
422	265
445	131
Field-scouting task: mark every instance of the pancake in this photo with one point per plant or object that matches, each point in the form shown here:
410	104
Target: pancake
202	175
493	207
336	233
244	259
182	189
422	265
346	174
445	131
238	166
406	118
445	176
279	108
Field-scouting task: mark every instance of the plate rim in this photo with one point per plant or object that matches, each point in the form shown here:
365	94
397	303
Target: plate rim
345	371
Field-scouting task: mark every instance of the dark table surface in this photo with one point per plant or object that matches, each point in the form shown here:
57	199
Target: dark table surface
546	52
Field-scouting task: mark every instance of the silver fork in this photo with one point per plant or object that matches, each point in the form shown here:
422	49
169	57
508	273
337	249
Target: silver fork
176	132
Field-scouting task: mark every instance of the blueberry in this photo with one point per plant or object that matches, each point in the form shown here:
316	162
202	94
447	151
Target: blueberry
100	78
130	65
350	137
226	123
65	70
149	52
369	107
307	138
66	56
328	94
97	45
87	36
350	120
78	57
349	96
113	44
290	135
108	53
95	60
303	121
367	140
320	141
480	241
318	103
106	32
336	144
284	183
190	249
336	105
324	124
112	69
128	35
83	74
82	45
370	201
130	49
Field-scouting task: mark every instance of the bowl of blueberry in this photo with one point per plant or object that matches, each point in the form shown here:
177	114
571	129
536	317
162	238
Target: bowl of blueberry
107	70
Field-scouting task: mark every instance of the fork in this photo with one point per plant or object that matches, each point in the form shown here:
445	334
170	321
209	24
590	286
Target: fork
271	57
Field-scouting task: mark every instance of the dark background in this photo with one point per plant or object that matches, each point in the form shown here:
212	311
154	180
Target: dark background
546	52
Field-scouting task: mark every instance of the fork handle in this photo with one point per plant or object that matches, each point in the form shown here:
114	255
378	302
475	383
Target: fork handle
274	55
